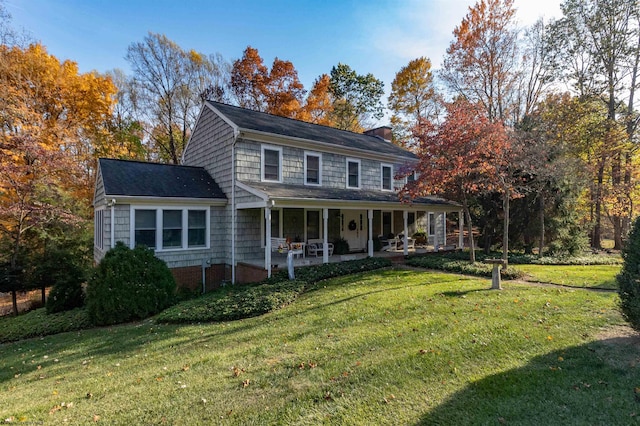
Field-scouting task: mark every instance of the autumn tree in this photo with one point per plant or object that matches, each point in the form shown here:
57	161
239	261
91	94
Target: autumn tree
167	82
277	91
598	45
318	106
356	98
53	119
458	157
481	62
413	99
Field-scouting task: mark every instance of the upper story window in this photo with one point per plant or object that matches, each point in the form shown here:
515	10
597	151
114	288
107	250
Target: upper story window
312	168
271	164
181	228
353	173
386	177
411	176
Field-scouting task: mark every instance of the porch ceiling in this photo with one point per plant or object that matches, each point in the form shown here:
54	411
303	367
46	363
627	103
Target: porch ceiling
286	195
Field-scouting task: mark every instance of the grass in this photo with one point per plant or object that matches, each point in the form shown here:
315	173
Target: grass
592	276
388	347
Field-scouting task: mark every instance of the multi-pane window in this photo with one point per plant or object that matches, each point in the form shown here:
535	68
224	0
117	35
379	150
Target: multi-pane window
387	180
171	228
271	167
181	228
432	224
197	228
312	169
313	224
353	173
145	228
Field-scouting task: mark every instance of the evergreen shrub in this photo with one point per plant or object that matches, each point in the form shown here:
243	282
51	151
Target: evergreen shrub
129	285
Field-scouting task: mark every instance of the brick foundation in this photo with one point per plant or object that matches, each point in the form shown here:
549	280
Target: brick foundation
191	276
246	273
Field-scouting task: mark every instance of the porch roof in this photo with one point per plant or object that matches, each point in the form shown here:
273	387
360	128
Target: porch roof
323	196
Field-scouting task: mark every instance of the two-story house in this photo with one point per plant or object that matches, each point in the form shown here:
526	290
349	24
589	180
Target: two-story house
247	177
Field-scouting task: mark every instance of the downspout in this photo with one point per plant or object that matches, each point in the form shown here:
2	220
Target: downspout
233	206
113	222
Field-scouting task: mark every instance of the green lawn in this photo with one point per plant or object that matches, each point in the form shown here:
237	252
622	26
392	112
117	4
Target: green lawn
593	276
390	347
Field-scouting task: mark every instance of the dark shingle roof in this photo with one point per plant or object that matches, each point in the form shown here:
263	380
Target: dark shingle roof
285	191
260	121
136	178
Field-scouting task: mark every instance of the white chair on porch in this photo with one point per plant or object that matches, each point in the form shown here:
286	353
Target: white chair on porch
315	247
279	245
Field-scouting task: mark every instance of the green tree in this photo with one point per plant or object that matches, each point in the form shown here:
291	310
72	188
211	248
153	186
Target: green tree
356	98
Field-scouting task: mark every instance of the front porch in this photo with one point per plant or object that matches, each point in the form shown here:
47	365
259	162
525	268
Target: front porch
251	270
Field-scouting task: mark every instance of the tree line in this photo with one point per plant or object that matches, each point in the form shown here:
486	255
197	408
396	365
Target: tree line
533	130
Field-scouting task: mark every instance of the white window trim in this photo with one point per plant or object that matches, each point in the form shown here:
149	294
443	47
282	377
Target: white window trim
353	160
313	154
185	226
391	179
271	148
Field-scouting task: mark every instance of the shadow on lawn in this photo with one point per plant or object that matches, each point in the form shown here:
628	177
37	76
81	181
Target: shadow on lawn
595	383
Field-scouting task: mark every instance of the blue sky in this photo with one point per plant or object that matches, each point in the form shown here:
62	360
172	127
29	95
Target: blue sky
376	36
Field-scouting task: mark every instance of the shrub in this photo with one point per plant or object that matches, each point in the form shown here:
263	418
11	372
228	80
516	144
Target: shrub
315	273
340	246
129	285
629	278
38	323
234	303
60	269
444	263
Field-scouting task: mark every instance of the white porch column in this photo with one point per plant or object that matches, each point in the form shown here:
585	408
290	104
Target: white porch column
370	246
267	243
405	217
444	228
325	236
461	229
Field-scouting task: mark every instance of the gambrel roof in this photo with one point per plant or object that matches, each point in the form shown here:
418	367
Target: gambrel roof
246	119
140	179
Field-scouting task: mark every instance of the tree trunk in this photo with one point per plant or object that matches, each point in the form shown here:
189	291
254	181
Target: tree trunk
505	231
44	296
541	245
14	302
472	249
596	239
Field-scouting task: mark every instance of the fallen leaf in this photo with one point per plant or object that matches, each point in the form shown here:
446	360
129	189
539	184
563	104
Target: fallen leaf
96	418
245	383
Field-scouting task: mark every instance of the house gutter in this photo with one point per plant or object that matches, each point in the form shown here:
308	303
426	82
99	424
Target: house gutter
112	204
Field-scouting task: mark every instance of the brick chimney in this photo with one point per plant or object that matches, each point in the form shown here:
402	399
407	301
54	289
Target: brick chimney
383	132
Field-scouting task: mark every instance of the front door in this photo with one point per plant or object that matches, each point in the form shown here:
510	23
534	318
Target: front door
355	229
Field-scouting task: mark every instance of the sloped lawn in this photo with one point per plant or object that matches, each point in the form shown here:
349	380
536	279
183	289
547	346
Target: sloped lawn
592	276
386	347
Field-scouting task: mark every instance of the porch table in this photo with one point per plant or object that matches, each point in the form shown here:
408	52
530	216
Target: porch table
298	249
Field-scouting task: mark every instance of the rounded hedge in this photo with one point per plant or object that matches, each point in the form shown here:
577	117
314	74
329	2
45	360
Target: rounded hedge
629	278
129	285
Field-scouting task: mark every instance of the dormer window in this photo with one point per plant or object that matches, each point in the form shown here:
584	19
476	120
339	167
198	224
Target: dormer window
312	168
386	177
353	173
271	164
